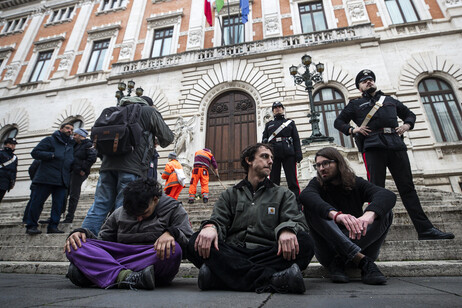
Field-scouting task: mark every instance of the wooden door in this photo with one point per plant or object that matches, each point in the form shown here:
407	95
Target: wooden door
231	126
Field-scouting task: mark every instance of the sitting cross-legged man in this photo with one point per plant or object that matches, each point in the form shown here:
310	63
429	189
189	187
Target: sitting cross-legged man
256	239
344	233
139	246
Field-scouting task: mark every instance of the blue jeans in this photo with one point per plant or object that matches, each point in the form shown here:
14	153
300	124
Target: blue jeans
108	197
38	197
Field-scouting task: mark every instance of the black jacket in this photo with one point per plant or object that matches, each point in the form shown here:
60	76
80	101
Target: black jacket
386	116
8	172
319	201
285	147
56	154
84	157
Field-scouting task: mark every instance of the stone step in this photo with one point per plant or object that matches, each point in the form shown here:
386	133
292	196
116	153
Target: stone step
49	247
314	270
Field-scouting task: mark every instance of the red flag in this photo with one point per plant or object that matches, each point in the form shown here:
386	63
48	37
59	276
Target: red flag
208	11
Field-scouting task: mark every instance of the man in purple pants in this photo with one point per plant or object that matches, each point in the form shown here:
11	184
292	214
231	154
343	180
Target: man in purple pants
139	246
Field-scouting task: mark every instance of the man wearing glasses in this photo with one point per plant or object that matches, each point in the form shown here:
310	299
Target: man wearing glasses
343	233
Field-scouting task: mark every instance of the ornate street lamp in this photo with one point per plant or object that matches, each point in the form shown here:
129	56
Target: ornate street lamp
310	77
121	86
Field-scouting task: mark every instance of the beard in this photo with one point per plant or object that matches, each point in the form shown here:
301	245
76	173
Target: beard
372	89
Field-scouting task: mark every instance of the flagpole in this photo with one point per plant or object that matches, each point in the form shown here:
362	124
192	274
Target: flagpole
221	28
230	36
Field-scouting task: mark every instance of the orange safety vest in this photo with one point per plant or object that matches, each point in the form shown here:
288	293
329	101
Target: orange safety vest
201	157
169	173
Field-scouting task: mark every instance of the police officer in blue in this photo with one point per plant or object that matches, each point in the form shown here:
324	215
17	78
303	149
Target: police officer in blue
282	134
8	166
380	139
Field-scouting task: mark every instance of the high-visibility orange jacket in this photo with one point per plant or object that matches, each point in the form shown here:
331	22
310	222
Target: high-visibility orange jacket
169	173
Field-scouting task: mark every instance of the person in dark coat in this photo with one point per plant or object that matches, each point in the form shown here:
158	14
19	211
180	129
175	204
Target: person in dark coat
286	146
8	166
381	142
56	154
84	158
343	232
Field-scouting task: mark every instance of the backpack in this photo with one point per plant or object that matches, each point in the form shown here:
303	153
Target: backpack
117	131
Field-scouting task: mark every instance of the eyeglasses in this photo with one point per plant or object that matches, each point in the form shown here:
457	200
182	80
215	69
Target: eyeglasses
324	164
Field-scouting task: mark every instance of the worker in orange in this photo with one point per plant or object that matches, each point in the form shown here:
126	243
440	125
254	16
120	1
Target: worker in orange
175	177
202	161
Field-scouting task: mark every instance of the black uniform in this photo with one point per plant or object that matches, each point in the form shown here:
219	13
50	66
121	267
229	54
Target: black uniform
8	169
383	148
287	151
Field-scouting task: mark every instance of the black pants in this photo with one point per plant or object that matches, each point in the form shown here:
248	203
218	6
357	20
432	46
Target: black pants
331	239
243	269
2	194
290	169
75	188
398	163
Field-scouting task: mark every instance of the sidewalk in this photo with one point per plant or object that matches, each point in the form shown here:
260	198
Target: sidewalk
27	290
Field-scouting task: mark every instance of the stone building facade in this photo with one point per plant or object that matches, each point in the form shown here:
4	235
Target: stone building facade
62	61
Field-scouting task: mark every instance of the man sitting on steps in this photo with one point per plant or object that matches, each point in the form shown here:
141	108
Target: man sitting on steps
140	245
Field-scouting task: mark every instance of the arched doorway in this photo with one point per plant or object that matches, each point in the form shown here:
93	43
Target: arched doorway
231	126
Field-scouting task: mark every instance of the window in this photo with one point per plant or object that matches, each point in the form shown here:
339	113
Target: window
442	109
61	14
312	17
10	133
329	102
162	42
401	11
112	4
14	25
97	55
233	30
41	66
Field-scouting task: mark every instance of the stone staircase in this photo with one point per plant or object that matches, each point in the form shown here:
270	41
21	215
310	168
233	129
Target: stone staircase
401	255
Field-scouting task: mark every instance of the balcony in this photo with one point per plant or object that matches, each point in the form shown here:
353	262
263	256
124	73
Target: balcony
339	35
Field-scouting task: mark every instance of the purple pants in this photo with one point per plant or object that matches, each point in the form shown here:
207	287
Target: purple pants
101	261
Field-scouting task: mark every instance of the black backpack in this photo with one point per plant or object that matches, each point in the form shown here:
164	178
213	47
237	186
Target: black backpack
117	131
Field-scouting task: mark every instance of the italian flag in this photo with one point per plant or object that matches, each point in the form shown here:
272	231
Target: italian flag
208	11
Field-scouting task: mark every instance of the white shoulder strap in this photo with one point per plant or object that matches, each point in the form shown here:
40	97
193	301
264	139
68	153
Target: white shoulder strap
277	131
374	109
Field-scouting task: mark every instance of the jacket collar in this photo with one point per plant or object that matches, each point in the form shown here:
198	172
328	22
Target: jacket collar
245	183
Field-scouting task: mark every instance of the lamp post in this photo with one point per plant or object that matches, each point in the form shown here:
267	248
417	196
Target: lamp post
310	77
122	86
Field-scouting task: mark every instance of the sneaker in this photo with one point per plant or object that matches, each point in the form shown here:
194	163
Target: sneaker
205	200
204	280
54	230
435	234
77	277
370	273
191	201
33	231
45	222
288	281
337	270
143	279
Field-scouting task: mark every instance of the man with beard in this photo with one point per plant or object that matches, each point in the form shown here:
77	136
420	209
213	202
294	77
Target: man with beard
56	154
380	139
8	166
256	238
344	233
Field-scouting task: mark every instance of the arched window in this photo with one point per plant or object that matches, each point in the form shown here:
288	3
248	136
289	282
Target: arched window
10	133
442	109
329	102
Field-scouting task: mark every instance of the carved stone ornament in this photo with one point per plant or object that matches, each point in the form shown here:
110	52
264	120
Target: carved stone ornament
48	43
195	38
65	62
453	3
125	50
103	32
357	11
165	19
271	25
5	52
11	71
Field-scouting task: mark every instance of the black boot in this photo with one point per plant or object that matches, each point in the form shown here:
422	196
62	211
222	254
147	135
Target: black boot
288	281
370	273
435	234
77	277
337	270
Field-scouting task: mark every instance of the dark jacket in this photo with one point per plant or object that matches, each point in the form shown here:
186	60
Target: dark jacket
287	147
169	215
8	172
84	157
319	201
56	154
386	116
137	162
244	219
